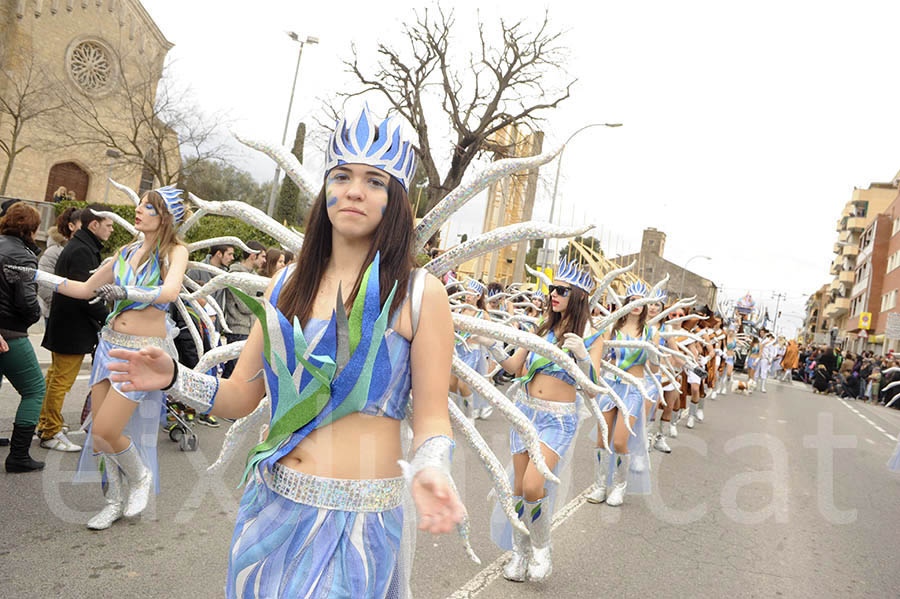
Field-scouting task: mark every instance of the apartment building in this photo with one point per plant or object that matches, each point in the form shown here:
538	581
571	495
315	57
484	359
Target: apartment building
868	278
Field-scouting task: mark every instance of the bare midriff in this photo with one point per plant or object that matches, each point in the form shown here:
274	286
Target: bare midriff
358	446
549	388
148	322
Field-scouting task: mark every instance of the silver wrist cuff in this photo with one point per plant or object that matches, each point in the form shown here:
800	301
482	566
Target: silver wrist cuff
498	353
142	295
435	452
51	281
194	389
585	365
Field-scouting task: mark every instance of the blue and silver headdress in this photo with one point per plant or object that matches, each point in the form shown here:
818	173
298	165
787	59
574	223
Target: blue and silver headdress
174	202
637	289
575	276
384	147
660	295
475	286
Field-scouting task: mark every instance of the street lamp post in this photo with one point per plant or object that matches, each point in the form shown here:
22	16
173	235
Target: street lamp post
112	155
684	270
559	168
296	38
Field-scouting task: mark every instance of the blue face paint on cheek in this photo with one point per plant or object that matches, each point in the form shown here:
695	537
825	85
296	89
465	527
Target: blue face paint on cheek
151	210
331	201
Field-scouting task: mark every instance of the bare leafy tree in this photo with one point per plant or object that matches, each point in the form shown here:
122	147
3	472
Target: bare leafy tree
147	119
27	99
497	85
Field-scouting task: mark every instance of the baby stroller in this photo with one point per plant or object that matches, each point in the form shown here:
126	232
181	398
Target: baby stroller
820	379
179	430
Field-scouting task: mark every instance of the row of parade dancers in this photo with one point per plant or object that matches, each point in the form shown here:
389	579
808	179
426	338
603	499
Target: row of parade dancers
345	376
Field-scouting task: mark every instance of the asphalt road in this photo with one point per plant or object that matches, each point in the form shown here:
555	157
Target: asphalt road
784	494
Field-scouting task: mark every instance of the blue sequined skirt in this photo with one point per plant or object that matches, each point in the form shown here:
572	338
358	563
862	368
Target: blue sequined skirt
630	396
283	548
556	423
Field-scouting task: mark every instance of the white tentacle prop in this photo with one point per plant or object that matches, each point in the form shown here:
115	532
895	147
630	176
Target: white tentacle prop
682	303
220	314
542	347
683	333
498	238
473	184
254	217
659	285
227	240
541	276
134	197
516	418
607	280
220	355
189	323
616	300
491	464
195	217
302	178
236	431
215	270
638	303
681	319
118	220
245	281
204	318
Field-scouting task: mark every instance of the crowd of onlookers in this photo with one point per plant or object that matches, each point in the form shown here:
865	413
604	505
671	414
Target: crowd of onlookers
851	376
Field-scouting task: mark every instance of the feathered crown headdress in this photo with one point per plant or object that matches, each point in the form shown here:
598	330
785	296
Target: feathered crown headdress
660	295
575	276
360	141
475	286
637	289
174	202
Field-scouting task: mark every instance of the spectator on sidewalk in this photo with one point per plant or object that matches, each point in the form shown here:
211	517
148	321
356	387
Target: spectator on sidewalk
67	223
73	326
274	261
237	315
19	309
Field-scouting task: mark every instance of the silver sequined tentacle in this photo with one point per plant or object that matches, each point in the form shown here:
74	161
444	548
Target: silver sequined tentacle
634	344
509	411
541	276
236	432
204	318
306	181
681	319
245	281
254	217
626	377
118	220
134	197
607	279
468	189
226	240
220	355
490	462
192	285
616	315
214	270
682	303
542	347
194	218
189	323
498	238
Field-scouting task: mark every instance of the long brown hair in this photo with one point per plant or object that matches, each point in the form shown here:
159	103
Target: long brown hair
393	238
642	320
573	320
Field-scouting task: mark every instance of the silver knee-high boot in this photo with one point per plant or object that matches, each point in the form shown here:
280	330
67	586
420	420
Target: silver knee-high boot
516	567
692	415
112	511
699	413
539	521
140	480
620	481
601	471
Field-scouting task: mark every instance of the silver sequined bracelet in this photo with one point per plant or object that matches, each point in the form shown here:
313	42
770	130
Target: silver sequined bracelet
434	452
194	389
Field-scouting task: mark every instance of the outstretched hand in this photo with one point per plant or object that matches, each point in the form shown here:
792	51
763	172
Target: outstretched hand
575	344
108	293
14	273
438	506
147	369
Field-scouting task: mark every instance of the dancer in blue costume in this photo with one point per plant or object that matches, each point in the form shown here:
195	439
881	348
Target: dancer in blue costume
471	352
617	467
547	397
142	279
341	341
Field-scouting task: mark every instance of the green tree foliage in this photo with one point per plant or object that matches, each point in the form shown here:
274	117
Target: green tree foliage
291	205
220	181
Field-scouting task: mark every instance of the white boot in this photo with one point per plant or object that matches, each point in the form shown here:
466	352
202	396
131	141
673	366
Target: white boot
725	383
516	566
620	481
673	431
539	520
112	511
659	443
699	413
601	471
762	386
691	421
140	480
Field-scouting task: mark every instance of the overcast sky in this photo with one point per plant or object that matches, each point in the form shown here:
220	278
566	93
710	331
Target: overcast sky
746	125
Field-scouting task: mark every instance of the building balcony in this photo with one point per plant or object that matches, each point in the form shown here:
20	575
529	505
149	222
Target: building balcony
838	307
835	285
847	276
835	268
844	235
856	223
850	250
840	225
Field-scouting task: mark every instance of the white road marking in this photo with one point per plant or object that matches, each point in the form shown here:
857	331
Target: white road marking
782	422
870	441
489	574
846	404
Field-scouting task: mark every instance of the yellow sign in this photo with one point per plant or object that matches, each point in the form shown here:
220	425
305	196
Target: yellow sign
865	320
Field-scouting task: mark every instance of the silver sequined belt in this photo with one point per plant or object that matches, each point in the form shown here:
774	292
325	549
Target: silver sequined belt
348	495
131	341
559	408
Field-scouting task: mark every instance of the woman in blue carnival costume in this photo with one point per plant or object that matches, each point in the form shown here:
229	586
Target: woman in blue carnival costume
547	397
470	352
142	279
341	339
658	438
617	468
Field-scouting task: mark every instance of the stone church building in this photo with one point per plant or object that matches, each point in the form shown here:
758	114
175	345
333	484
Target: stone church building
79	47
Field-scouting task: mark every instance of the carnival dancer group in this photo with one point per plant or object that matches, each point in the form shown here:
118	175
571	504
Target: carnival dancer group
361	365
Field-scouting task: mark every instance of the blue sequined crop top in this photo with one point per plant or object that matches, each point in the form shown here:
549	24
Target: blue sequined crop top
328	369
535	364
626	357
148	275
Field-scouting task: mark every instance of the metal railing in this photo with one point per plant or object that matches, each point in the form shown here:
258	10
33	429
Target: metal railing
48	216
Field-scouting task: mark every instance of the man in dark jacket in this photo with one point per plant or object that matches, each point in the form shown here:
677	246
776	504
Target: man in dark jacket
73	325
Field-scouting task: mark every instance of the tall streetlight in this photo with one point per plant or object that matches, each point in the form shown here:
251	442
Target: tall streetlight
559	168
296	38
684	270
